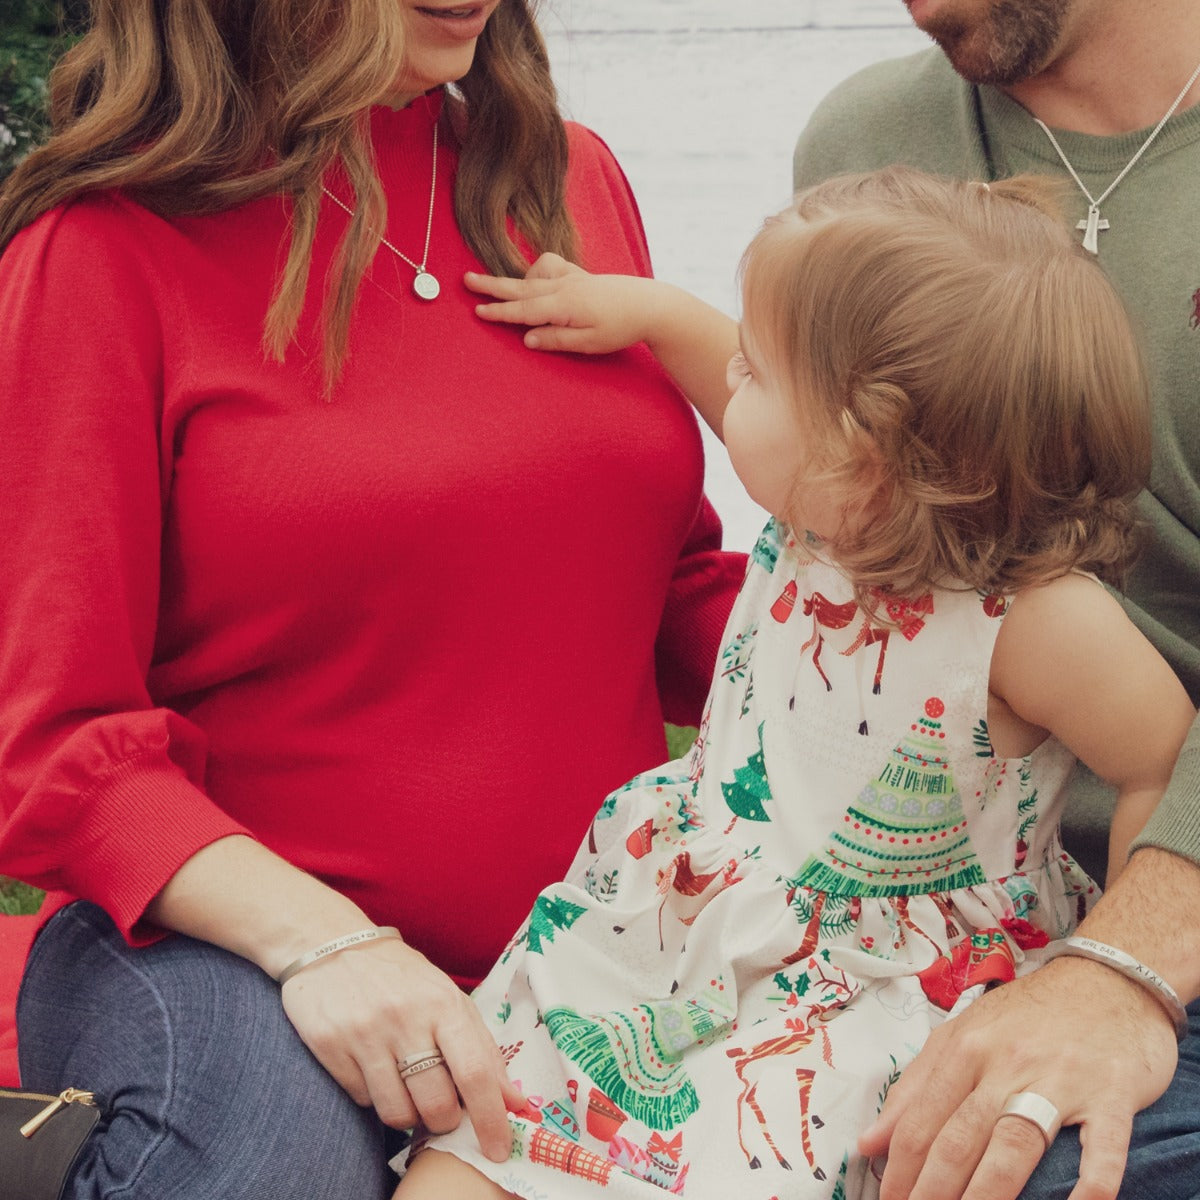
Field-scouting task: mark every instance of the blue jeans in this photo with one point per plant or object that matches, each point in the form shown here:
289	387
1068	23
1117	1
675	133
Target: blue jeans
1164	1155
208	1092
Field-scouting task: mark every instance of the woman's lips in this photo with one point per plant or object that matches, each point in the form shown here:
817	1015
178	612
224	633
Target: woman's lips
464	21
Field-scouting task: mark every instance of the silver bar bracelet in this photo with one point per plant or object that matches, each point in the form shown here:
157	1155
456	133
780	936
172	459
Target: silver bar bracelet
1127	965
334	947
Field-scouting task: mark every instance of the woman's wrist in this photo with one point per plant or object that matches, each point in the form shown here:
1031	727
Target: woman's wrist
237	894
349	941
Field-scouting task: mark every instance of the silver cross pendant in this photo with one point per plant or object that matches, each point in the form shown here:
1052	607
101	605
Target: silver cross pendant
1091	227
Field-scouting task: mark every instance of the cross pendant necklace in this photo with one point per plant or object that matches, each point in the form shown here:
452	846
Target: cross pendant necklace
425	284
1091	226
1093	223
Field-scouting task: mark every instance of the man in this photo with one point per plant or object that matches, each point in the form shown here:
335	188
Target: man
1089	90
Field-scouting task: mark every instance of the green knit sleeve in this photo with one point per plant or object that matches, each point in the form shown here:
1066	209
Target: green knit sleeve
1175	824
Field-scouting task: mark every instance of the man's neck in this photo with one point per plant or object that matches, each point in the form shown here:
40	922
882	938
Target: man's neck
1119	69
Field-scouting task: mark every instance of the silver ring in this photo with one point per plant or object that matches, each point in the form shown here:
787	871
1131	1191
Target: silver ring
409	1059
1037	1110
423	1060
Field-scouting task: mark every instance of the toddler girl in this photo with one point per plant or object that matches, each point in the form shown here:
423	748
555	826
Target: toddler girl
940	398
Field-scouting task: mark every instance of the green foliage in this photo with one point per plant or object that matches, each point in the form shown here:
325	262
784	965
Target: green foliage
24	64
679	740
33	34
17	898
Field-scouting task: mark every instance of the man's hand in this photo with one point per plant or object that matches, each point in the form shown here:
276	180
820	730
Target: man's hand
1095	1044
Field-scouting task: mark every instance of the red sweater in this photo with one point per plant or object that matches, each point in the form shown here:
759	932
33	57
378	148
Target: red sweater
408	639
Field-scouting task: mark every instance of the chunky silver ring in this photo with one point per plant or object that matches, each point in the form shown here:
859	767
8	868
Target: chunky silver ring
1037	1110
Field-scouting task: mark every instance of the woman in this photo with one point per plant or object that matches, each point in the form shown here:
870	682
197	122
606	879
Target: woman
309	579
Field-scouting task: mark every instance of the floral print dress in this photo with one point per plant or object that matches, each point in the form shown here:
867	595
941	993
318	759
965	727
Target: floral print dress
754	940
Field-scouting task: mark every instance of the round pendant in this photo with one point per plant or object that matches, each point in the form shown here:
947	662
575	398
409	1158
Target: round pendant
426	286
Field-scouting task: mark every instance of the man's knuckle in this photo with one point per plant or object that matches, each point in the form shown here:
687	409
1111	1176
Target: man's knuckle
954	1146
973	1043
1016	1136
915	1135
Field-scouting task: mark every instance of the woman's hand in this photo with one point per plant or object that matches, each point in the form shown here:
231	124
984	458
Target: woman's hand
363	1011
359	1011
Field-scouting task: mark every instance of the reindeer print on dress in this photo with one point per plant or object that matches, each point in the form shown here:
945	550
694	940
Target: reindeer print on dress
800	1031
903	616
754	939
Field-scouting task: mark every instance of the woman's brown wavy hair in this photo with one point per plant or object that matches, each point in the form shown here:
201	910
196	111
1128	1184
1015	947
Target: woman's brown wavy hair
194	106
971	380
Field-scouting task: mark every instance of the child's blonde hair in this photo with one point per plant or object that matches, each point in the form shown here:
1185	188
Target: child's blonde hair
969	376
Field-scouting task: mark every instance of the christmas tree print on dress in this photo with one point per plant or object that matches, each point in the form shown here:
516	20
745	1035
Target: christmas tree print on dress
749	791
633	1056
906	834
550	915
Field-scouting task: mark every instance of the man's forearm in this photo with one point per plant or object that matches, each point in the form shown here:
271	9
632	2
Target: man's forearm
1151	913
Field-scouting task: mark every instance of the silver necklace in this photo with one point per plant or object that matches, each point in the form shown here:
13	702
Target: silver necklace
1093	223
424	284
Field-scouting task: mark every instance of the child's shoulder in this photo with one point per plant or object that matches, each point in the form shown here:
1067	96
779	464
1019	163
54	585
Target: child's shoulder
1077	597
1067	638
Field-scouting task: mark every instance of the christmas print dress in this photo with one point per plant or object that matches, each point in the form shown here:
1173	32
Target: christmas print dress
755	939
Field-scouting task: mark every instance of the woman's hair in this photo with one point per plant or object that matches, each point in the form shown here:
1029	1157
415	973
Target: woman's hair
193	106
969	376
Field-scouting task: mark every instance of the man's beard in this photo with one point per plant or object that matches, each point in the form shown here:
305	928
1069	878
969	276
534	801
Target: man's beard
1014	41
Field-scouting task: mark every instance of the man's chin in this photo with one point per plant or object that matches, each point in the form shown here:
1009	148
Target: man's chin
1013	41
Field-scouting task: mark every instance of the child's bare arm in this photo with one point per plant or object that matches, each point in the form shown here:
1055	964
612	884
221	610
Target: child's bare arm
1069	660
568	309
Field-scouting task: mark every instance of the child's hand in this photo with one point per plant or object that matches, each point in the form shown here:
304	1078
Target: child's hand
569	309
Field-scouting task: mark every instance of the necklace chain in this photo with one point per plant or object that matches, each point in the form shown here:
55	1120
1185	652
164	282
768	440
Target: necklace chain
1093	223
425	285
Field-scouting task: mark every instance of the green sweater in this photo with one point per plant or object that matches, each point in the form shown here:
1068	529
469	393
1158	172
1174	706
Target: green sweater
917	111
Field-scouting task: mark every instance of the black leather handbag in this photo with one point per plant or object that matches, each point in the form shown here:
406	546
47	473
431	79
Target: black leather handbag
40	1140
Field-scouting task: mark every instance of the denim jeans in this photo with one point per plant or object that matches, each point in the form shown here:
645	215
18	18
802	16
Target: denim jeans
208	1093
1164	1155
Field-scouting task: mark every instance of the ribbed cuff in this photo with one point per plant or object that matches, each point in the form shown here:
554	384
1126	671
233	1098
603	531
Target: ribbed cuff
139	825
